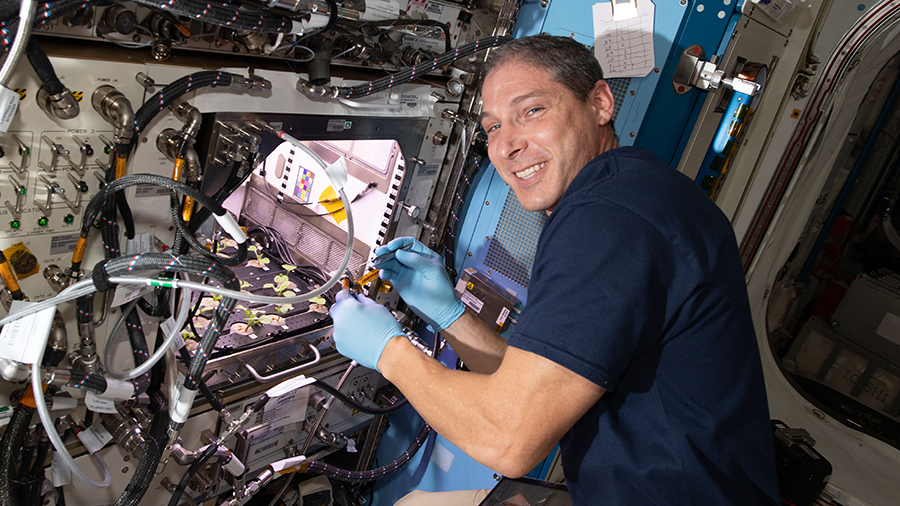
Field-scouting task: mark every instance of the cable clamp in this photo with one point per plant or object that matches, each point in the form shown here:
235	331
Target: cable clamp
101	278
228	223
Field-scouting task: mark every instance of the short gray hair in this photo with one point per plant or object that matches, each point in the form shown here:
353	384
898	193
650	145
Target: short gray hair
570	62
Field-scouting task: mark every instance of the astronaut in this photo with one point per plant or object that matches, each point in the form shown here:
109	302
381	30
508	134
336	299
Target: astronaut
636	351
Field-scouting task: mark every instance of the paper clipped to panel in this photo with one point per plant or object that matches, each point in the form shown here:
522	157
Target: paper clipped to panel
623	37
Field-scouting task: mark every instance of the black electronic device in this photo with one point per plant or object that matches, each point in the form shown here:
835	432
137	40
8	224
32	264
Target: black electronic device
802	471
527	492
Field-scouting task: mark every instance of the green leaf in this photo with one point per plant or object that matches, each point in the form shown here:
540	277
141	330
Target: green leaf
318	300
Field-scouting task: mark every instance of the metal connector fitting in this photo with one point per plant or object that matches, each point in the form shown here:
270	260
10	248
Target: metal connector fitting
116	109
62	105
313	90
255	83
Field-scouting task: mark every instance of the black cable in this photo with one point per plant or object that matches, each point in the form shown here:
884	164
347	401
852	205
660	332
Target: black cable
198	463
407	74
361	407
10	444
187	235
43	68
214	401
173	91
357	477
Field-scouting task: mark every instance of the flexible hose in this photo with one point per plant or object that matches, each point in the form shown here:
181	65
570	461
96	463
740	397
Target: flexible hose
195	466
358	406
158	354
158	102
57	441
23	33
13	436
357	477
152	453
43	68
167	263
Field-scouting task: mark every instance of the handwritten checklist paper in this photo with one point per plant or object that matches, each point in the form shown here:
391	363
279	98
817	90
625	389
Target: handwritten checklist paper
623	37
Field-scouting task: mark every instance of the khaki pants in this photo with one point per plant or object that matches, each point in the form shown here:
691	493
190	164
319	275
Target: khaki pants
455	498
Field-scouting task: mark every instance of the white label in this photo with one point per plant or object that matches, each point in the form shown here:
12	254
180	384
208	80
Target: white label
94	437
471	301
504	313
23	340
377	10
351	446
623	44
98	404
9	104
167	327
59	472
424	43
142	243
287	408
889	328
127	293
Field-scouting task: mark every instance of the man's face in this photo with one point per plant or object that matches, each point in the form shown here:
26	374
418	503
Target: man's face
540	134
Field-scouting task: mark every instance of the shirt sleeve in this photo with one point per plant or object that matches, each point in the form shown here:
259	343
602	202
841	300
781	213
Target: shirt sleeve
598	291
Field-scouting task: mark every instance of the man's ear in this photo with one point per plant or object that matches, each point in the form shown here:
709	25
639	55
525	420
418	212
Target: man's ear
601	98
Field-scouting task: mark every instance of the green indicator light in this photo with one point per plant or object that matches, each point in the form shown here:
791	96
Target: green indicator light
355	383
365	379
15	224
69	218
43	221
27	152
107	150
22	190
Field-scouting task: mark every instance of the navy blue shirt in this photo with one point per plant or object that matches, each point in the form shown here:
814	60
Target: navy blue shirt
637	286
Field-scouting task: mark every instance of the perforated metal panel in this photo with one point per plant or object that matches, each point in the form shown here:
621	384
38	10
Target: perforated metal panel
511	249
619	88
322	249
288	224
259	207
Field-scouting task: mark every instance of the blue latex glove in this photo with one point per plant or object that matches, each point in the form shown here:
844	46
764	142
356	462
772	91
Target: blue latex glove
362	328
419	276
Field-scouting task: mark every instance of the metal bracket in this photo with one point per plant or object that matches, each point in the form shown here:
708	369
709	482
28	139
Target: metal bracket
20	196
25	153
86	152
52	187
58	151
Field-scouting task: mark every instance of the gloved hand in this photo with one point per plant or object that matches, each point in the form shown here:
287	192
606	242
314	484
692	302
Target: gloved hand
362	328
420	278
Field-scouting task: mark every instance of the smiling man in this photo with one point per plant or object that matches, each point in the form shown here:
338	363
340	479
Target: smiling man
636	351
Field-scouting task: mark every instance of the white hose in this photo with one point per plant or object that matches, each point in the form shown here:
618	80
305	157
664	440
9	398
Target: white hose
160	352
57	441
